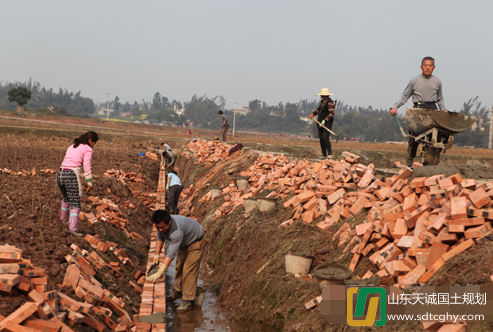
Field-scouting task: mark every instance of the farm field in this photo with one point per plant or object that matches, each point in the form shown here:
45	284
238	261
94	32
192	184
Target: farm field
29	215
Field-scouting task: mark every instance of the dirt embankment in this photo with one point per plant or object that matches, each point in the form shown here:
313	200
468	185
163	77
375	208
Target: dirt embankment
244	258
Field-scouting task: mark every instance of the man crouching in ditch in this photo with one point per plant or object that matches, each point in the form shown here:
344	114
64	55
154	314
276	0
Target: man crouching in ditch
185	241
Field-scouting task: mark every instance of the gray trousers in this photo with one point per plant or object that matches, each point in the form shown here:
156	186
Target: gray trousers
224	132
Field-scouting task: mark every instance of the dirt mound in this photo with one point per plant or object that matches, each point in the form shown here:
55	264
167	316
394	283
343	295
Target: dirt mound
467	171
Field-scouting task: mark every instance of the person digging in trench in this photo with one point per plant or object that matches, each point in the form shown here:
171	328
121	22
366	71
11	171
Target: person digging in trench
325	112
175	187
184	238
426	91
69	177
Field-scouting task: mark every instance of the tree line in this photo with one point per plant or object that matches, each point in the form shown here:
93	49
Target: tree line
63	102
364	123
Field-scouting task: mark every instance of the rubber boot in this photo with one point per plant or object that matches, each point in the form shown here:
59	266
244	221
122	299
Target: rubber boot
74	220
64	211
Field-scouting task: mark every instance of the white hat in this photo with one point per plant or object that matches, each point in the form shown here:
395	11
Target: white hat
324	92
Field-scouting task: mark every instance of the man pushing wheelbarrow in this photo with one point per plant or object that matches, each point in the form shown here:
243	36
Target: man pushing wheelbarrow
431	128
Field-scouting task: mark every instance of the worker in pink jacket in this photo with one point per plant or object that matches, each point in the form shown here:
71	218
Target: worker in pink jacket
77	163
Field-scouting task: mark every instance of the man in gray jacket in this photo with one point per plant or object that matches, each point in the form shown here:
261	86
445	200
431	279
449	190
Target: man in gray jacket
184	238
426	91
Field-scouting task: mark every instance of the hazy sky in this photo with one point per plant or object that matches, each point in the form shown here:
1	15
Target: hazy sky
363	51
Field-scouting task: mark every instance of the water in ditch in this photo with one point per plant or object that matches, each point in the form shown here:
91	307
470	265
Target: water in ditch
207	318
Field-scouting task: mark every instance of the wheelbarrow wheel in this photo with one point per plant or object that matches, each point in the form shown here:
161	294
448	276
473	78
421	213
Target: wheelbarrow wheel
431	156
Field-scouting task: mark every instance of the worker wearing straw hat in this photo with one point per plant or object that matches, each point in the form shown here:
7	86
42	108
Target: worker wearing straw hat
325	113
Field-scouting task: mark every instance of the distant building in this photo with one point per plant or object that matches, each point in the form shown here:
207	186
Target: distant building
126	114
178	111
478	124
245	110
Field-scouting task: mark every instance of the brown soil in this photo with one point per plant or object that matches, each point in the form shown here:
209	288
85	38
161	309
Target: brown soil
30	208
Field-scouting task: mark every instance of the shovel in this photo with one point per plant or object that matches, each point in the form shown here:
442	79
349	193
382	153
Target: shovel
399	124
153	269
220	134
330	131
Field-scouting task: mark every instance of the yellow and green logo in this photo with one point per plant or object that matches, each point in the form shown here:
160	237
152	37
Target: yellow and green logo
371	315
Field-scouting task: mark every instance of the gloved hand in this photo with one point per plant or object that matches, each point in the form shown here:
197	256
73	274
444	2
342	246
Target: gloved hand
89	186
322	123
155	261
158	274
310	116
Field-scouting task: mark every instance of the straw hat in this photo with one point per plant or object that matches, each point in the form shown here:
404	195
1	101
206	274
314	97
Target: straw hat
324	92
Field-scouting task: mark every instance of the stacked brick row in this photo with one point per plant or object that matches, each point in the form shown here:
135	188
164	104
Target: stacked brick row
154	293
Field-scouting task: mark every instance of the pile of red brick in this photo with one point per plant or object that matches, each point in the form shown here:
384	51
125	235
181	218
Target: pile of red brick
26	173
107	211
153	156
210	151
104	246
80	275
412	227
50	308
316	186
124	176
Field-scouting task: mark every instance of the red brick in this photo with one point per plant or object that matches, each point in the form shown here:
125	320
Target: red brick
479	198
477	232
8	326
94	323
412	277
23	312
135	286
72	276
436	251
306	196
75	317
36	297
468	184
410	262
457	250
10	279
467	222
43	325
354	262
93	289
411	218
459	208
9	268
400	229
431	272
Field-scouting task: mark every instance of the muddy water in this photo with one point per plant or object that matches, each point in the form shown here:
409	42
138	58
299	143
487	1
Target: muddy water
207	318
